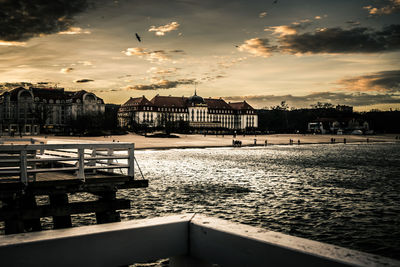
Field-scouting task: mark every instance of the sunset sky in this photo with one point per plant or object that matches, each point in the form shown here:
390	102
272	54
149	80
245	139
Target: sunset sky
341	52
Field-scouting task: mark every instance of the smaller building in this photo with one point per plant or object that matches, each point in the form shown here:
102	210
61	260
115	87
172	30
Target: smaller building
316	127
337	125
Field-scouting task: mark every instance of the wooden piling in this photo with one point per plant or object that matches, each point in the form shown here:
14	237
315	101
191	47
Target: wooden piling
59	201
109	215
13	224
30	225
61	170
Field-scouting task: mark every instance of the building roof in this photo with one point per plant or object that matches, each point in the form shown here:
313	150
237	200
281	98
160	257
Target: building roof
75	95
138	101
13	93
195	99
241	106
50	93
213	103
184	102
169	101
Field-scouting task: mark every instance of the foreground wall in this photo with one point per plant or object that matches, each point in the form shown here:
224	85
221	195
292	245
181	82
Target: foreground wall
189	240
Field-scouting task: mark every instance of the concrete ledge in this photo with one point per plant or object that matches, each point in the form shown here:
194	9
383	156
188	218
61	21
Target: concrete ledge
113	244
232	244
190	240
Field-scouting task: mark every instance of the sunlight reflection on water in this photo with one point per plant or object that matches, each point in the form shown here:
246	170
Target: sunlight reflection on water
348	195
341	194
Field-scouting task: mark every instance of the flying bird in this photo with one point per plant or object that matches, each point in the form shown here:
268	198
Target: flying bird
138	37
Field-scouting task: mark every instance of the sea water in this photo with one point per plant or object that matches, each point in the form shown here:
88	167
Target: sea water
341	194
347	195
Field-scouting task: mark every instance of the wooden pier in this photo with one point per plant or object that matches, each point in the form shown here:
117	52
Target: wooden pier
58	170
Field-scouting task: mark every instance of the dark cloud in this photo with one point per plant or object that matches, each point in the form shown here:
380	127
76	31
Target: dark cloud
163	84
124	76
21	20
177	51
384	81
210	77
353	23
352	99
84	81
327	40
338	40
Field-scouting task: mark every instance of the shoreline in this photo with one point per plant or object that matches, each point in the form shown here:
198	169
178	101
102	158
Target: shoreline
262	146
216	141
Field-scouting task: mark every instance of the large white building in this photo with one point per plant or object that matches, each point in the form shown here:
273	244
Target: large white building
198	112
25	111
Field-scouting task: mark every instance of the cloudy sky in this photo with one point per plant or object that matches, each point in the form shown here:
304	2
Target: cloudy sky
342	52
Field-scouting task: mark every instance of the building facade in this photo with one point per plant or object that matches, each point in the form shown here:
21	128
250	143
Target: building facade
26	111
199	113
337	125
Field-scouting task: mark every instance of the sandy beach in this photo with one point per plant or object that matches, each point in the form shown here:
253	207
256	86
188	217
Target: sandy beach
200	141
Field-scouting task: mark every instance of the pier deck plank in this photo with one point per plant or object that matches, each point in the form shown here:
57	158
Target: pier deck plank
47	183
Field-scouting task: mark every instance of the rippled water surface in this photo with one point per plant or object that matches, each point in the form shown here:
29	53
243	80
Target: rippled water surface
348	195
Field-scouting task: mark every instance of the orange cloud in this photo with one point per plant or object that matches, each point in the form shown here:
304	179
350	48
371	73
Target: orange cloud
262	14
66	70
75	30
8	43
392	7
257	47
282	30
161	30
157	55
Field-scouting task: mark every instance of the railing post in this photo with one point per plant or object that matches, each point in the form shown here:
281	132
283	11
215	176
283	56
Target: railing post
93	161
110	152
131	161
23	166
41	148
81	164
34	166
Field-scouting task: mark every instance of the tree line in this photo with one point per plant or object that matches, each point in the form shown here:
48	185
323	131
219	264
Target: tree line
283	119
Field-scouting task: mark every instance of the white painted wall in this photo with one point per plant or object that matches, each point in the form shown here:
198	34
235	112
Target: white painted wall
185	238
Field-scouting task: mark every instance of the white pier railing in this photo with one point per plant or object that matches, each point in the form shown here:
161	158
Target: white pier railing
188	240
26	161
